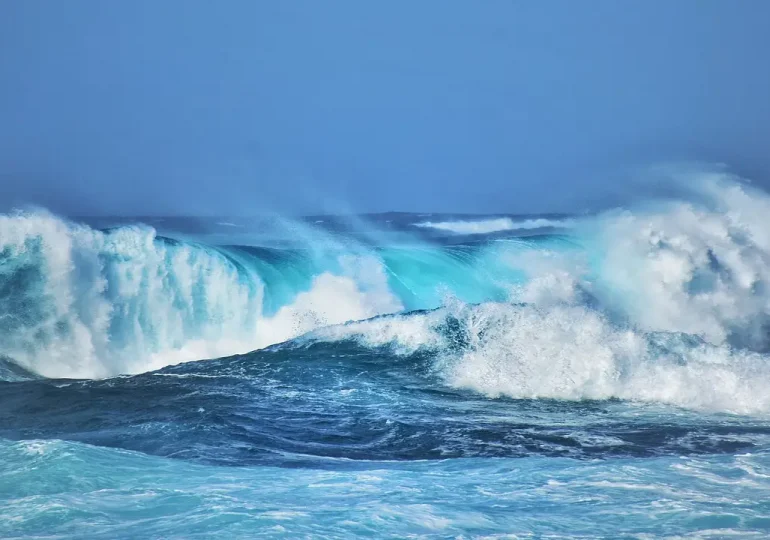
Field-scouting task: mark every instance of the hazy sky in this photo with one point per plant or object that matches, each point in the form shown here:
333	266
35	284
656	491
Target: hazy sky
236	107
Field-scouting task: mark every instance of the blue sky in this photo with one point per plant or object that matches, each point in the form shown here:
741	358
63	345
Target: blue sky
240	107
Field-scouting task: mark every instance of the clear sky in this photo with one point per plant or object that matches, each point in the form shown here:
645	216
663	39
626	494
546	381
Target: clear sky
242	106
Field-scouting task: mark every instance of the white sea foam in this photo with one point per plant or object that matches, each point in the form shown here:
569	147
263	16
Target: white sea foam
667	303
362	292
487	226
569	352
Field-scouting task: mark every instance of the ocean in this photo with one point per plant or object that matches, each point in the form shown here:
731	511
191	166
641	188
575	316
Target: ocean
396	375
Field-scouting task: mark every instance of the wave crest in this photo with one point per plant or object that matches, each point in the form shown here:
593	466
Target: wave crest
488	226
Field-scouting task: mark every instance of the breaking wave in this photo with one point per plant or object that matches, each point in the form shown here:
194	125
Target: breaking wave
667	301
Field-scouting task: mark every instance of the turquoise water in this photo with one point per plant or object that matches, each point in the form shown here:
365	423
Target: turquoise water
56	488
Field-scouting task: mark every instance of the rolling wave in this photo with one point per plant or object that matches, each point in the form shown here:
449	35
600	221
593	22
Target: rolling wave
565	352
667	302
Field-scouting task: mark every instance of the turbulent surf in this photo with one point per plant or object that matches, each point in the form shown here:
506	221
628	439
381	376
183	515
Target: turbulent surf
391	374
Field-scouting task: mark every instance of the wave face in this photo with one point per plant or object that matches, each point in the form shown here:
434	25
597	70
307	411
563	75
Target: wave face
424	379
